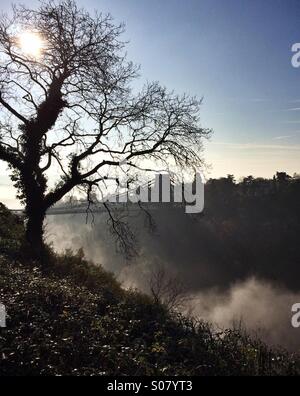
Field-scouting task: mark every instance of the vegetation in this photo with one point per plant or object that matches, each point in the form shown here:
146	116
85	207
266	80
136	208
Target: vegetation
254	226
67	106
75	319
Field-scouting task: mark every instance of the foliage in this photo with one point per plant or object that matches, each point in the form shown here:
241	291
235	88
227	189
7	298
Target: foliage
252	227
76	320
11	232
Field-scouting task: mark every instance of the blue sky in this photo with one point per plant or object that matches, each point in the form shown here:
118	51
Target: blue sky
234	53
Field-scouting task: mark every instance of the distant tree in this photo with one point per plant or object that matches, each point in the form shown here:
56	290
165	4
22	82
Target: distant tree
282	177
68	109
247	184
231	179
248	180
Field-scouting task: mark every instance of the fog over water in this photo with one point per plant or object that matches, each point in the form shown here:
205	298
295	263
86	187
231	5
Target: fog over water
223	292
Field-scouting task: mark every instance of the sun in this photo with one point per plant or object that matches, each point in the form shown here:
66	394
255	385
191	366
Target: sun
31	44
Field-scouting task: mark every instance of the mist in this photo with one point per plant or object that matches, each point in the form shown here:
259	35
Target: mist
221	290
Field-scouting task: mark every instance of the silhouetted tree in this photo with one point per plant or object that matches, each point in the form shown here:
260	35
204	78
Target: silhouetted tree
282	177
69	111
167	289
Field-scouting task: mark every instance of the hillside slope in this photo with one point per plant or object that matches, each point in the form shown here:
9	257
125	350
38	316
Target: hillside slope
76	320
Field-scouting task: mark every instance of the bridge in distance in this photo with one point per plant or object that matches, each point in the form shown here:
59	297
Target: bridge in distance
120	202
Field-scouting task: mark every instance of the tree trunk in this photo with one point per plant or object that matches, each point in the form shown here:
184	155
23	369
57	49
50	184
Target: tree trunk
35	232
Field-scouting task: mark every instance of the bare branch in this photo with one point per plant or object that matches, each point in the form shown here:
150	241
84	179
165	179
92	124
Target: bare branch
12	110
72	108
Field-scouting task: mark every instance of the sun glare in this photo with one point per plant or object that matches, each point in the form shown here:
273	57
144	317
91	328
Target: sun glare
31	44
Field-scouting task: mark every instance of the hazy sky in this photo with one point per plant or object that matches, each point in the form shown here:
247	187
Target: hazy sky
234	53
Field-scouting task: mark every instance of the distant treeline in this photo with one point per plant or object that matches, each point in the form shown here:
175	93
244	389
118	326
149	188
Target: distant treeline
264	197
254	226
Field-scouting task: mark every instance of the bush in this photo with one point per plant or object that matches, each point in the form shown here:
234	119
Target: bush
11	232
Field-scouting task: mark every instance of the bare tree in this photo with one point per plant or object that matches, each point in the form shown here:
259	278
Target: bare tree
168	289
69	112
